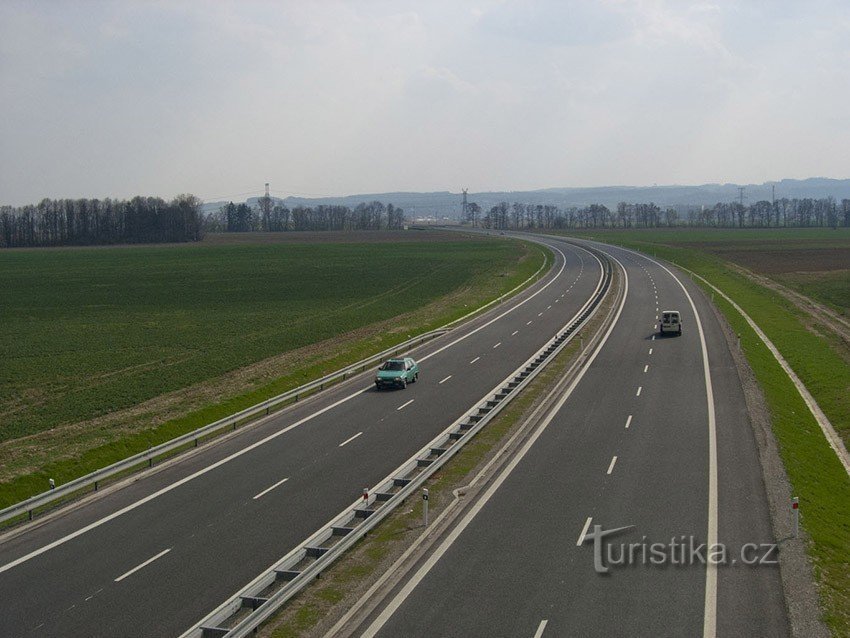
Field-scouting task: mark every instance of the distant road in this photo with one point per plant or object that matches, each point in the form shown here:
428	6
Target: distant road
152	558
630	447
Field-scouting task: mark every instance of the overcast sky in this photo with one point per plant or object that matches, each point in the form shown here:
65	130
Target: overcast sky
333	98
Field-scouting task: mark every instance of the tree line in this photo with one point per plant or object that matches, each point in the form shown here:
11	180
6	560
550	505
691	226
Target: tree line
270	217
801	213
79	222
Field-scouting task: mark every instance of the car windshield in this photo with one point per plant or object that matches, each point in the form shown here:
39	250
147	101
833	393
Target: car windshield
393	365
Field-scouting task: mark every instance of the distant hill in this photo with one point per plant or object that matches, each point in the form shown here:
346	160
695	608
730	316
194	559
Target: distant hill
445	204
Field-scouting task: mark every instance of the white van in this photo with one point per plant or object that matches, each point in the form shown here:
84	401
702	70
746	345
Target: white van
671	322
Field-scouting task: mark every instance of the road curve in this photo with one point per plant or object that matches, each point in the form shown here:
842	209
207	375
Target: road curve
631	447
153	557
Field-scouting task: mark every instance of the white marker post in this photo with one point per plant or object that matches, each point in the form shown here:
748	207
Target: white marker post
52	484
425	504
795	505
365	494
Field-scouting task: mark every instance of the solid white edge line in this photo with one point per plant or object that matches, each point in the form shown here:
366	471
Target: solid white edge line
351	438
584	531
611	467
145	564
444	380
629	421
191	477
404	405
435	556
709	628
540	628
278	484
175	485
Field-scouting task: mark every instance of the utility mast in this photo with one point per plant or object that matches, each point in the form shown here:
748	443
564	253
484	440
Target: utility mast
267	189
463	218
741	195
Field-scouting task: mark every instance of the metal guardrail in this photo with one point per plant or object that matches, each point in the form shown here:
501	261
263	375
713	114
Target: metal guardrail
147	457
240	615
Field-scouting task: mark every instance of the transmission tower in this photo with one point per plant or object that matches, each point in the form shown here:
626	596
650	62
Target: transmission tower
463	218
741	195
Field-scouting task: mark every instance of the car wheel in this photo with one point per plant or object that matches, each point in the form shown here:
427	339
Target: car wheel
403	383
680	331
415	377
377	385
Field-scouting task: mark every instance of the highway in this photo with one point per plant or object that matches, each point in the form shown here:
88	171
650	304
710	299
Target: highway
153	556
654	438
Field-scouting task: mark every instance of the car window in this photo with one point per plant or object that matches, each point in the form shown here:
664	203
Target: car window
393	365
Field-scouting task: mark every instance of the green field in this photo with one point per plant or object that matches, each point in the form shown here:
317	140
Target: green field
88	332
817	356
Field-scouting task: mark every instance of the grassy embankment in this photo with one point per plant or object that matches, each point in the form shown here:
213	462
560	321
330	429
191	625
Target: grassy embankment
816	474
102	347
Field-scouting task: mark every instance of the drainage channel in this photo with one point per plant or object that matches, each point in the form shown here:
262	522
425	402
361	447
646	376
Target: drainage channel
244	612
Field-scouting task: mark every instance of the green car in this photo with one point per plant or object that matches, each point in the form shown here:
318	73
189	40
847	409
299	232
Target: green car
397	373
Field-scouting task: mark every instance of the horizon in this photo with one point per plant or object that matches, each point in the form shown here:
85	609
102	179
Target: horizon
120	99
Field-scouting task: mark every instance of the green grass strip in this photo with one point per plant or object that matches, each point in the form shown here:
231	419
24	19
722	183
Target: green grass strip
816	474
500	278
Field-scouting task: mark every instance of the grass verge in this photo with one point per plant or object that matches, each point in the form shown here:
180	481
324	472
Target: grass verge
478	291
816	474
317	608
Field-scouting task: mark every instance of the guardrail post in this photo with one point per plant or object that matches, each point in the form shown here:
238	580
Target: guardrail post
795	505
95	486
425	504
29	514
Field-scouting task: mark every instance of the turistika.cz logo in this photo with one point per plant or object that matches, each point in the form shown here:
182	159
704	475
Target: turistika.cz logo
679	551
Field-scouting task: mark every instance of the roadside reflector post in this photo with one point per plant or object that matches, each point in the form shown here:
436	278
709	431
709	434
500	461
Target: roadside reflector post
365	494
795	505
52	484
739	341
425	504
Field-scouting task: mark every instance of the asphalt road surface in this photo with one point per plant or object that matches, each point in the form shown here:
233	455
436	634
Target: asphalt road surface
153	557
630	447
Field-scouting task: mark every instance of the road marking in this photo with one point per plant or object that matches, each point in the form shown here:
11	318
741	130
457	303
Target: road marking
528	323
540	628
404	405
539	314
175	485
629	421
639	389
709	618
611	467
548	307
497	345
475	359
656	317
145	564
653	336
584	531
436	554
645	368
514	332
557	300
269	489
444	380
351	438
650	351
